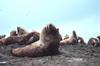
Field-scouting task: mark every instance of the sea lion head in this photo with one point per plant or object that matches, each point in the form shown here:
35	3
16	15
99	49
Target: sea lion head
50	33
93	42
51	37
74	36
13	33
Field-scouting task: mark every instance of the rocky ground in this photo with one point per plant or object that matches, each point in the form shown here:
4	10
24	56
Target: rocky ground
71	55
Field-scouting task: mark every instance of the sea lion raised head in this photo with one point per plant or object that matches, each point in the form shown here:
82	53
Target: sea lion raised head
50	32
71	40
21	31
48	44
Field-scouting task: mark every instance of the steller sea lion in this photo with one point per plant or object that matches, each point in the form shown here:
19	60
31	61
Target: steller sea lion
93	41
81	40
13	33
48	44
70	40
22	39
2	36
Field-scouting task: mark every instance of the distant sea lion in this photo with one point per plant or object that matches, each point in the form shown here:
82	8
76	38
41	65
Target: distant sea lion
71	40
98	37
81	40
22	39
21	31
66	36
93	42
13	33
48	44
2	36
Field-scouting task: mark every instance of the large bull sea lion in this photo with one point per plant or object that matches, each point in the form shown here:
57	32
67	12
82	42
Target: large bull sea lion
48	44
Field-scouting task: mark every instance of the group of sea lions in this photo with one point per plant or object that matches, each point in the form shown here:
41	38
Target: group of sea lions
73	39
45	43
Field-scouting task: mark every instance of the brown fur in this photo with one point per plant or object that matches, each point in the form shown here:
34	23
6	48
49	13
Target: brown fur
71	40
48	44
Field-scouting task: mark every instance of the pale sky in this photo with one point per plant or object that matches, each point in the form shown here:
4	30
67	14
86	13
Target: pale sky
83	16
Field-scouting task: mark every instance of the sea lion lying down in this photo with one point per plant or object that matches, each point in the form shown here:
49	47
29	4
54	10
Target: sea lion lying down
80	40
94	41
48	44
22	39
70	40
13	33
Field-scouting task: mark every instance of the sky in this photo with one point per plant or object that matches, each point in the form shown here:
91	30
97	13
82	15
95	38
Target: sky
83	16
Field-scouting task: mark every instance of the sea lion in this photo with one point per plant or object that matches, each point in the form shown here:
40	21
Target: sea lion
81	40
98	37
93	42
48	44
66	36
2	36
13	33
71	40
21	31
22	39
